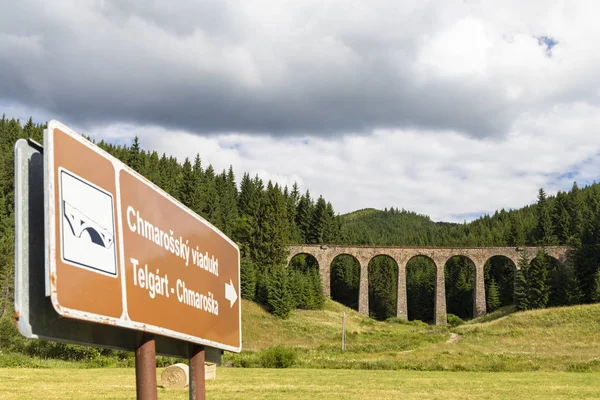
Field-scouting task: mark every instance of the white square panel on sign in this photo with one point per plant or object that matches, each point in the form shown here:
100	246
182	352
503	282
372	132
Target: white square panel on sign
87	225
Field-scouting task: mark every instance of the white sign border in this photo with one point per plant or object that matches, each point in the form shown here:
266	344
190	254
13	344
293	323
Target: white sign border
50	244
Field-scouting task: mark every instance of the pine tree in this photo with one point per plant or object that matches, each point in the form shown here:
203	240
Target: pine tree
319	222
227	190
210	199
251	206
304	215
198	198
596	288
248	279
521	287
383	278
248	195
573	294
537	286
561	219
317	291
575	208
153	172
186	189
345	278
331	232
492	296
544	230
29	130
291	199
280	299
134	160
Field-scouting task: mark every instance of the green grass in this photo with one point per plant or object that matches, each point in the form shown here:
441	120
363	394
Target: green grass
237	383
559	339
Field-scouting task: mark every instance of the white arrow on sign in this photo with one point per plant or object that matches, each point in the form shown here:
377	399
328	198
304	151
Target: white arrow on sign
230	293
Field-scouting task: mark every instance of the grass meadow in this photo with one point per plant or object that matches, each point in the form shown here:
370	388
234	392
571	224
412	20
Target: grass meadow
543	354
557	339
258	383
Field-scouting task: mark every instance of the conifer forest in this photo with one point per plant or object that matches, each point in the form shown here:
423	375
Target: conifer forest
264	217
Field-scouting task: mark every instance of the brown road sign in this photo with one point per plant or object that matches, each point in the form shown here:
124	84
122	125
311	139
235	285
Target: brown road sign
122	252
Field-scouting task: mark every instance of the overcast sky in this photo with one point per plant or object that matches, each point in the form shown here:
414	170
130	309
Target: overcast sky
447	108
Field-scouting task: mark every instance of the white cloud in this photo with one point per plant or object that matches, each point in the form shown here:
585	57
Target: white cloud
445	108
441	174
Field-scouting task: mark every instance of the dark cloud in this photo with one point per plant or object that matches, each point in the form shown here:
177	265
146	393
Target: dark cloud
211	67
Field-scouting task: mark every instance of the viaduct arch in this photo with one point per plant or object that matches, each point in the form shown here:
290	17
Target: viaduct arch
324	254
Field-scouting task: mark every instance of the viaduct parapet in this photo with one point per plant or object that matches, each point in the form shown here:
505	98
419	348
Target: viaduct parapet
324	254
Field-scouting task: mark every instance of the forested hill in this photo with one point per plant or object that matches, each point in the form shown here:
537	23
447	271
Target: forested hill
391	227
562	219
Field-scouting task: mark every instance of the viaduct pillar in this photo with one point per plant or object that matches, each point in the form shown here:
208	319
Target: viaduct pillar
439	308
325	273
479	306
363	287
401	304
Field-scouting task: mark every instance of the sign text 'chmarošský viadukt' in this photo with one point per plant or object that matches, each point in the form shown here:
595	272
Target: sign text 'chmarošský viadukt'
123	252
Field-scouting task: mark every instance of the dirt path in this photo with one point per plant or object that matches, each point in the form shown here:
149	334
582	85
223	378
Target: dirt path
454	337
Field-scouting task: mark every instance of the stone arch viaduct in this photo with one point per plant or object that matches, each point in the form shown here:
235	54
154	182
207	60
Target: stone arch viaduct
324	254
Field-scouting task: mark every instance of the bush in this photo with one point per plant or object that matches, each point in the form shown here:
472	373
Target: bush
10	338
278	357
454	320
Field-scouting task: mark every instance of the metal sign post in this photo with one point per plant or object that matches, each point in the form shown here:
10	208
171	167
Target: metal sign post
197	371
105	258
145	369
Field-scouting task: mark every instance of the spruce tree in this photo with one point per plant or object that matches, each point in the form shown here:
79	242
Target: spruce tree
544	229
537	286
596	287
561	219
186	188
573	294
319	222
332	228
304	215
279	296
247	279
198	198
345	278
492	296
521	284
575	207
226	188
210	199
318	298
153	172
587	259
271	235
135	160
291	198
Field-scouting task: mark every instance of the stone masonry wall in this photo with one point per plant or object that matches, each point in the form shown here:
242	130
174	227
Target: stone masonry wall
324	254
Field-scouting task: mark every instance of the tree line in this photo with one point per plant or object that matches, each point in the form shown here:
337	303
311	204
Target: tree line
570	218
264	217
261	217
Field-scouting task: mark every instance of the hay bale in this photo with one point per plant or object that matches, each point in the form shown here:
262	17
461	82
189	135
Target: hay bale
210	370
176	376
